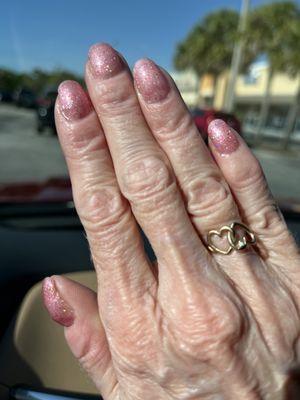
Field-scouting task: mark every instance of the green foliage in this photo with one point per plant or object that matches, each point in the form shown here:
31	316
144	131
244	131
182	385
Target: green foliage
9	80
209	45
272	30
275	28
37	80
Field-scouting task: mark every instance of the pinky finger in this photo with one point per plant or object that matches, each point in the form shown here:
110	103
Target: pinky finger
75	307
247	182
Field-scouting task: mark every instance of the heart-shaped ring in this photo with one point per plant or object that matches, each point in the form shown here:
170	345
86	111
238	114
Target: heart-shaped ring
240	244
215	249
235	243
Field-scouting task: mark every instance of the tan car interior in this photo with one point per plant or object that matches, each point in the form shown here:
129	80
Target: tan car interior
34	351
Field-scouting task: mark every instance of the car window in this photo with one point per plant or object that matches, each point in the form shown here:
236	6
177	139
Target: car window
253	83
197	112
223	115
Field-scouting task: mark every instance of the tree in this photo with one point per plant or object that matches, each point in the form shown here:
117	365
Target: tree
9	80
295	62
273	30
38	80
208	48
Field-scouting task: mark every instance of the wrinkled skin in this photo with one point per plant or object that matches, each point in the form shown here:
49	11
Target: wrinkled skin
194	325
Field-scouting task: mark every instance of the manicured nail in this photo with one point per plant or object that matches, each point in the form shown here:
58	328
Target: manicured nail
105	61
73	101
223	137
58	309
150	81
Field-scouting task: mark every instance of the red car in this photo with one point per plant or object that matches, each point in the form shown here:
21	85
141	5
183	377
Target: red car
203	117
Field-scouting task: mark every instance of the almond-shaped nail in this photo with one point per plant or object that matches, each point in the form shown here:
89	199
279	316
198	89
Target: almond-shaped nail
58	308
105	61
73	102
223	137
150	81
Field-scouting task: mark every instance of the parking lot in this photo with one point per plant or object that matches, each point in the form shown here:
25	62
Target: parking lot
26	155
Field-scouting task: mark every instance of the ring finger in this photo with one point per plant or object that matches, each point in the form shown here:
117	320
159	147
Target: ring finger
249	186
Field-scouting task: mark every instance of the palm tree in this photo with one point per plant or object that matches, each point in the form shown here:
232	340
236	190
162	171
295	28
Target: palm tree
208	48
295	61
272	28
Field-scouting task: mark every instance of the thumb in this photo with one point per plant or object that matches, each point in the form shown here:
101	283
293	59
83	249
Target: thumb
75	307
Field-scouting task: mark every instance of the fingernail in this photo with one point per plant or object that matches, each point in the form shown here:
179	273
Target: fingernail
150	81
105	61
223	137
73	102
59	310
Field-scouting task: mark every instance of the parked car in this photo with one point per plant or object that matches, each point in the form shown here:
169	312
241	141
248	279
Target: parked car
24	97
203	117
5	96
45	111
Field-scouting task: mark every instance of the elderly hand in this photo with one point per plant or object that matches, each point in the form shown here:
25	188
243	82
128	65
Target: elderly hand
197	324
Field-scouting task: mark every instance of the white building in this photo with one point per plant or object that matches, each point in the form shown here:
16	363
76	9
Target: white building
188	85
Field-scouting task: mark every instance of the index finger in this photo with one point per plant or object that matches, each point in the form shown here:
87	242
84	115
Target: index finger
113	235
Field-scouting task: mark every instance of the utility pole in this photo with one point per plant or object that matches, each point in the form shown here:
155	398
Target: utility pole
236	57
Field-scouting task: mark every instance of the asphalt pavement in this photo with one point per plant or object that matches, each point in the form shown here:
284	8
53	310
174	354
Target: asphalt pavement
26	155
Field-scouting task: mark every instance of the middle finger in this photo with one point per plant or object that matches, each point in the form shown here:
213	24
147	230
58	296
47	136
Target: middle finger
143	171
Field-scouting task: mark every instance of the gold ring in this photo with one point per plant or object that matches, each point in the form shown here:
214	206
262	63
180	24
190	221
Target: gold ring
235	241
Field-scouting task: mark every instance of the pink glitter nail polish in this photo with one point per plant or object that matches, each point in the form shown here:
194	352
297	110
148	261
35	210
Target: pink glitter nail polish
58	309
105	61
73	102
150	81
223	137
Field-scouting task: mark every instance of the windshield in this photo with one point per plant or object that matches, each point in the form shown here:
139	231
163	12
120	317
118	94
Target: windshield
245	70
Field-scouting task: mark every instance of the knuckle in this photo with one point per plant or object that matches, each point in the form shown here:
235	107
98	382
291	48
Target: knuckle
148	180
176	128
92	358
268	217
132	339
100	209
80	144
113	248
205	333
248	177
207	195
269	225
116	100
89	348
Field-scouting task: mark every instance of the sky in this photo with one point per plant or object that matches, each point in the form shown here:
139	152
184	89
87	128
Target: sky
57	33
